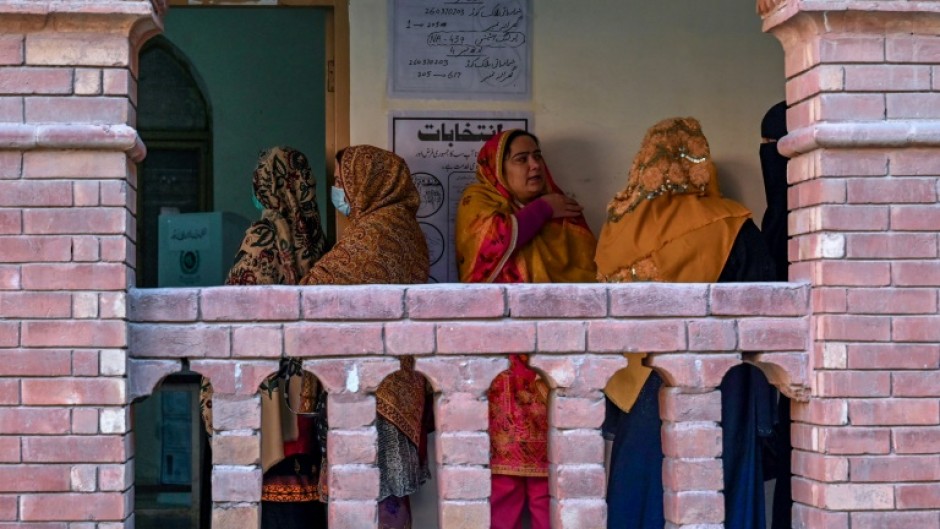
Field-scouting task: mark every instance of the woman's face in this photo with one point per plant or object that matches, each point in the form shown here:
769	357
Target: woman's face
524	169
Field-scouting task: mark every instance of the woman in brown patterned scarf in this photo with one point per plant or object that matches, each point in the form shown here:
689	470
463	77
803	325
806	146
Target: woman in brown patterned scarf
383	244
279	249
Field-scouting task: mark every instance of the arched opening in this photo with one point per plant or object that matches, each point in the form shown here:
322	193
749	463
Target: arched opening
404	424
172	458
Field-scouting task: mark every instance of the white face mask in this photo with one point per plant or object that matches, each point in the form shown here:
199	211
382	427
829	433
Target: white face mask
338	197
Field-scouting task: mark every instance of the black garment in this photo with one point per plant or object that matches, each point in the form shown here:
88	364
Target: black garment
635	488
774	223
293	515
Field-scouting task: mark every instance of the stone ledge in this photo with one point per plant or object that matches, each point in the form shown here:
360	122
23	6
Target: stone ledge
25	137
862	134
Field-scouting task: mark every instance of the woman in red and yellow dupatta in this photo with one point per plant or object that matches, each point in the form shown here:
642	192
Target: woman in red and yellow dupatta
515	225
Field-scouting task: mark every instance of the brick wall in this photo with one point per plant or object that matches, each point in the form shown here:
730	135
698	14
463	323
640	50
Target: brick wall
349	338
860	339
864	119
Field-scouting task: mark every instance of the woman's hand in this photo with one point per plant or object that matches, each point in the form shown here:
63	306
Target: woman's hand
562	206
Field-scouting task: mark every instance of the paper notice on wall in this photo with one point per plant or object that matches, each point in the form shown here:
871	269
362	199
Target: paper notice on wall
459	49
441	152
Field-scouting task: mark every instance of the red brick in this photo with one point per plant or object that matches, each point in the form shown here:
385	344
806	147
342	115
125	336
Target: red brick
712	335
35	363
115	477
407	337
916	440
575	447
916	273
464	448
698	371
74	164
117	82
463	483
87	81
767	334
85	249
85	506
883	412
85	363
860	384
350	410
11	50
496	337
74	334
11	222
220	374
891	245
461	412
240	516
34	421
915	218
464	301
236	449
178	341
852	163
829	300
164	305
257	341
694	507
886	78
816	192
913	48
558	301
75	449
853	273
74	391
893	356
96	276
805	516
912	105
822	78
31	193
895	520
895	468
892	301
79	49
658	299
892	190
31	80
117	249
41	478
916	329
635	335
916	384
842	107
9	334
105	110
236	412
114	193
349	514
76	220
234	484
10	278
9	392
342	339
573	413
256	303
838	218
250	375
11	109
919	496
357	482
84	421
849	327
914	161
820	467
373	302
692	474
675	405
757	299
578	481
26	249
855	496
144	375
691	440
852	441
462	515
35	304
849	48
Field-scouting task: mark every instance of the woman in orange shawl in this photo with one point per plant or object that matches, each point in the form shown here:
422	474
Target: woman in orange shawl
279	249
514	225
383	244
671	224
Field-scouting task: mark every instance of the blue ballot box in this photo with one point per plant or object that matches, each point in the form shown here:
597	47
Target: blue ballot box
197	249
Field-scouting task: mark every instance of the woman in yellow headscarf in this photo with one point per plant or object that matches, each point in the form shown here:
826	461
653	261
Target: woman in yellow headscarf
514	225
671	224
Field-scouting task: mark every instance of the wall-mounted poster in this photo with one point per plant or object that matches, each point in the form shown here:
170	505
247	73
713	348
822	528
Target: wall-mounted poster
459	49
441	152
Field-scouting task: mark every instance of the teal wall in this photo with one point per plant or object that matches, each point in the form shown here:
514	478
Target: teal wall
263	70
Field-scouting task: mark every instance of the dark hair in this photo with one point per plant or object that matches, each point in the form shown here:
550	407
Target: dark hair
515	134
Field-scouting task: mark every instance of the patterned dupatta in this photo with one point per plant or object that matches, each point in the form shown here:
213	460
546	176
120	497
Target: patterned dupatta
669	224
562	252
383	244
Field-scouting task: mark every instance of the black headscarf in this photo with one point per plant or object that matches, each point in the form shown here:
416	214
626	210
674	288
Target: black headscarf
774	169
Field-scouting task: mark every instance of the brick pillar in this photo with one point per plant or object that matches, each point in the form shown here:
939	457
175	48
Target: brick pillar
577	480
352	438
864	116
67	232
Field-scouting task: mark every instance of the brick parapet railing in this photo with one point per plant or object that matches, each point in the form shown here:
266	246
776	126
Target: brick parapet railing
350	337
